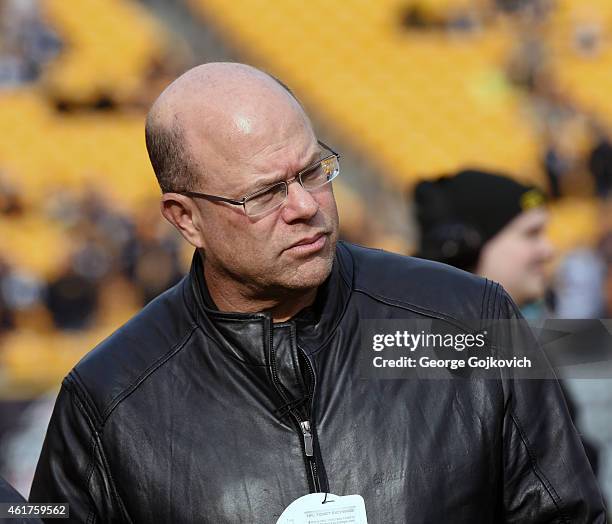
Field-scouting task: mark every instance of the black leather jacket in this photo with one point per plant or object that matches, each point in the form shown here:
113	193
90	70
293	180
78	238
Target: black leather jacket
188	414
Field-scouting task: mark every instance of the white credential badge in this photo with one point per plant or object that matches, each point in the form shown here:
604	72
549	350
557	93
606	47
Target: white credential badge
325	508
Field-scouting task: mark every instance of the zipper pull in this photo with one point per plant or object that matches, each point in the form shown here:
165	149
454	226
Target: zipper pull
307	438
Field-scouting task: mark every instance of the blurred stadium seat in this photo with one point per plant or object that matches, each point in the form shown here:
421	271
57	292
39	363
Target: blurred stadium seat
110	46
353	63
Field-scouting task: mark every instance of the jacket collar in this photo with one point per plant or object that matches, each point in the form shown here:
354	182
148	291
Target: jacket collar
246	335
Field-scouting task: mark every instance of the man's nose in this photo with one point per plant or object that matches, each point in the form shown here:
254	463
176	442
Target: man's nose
300	204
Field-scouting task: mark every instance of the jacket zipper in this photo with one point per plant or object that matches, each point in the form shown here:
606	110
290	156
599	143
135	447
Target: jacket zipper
303	425
309	452
308	447
313	463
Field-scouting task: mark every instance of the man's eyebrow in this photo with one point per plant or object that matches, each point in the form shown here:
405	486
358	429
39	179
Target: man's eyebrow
263	183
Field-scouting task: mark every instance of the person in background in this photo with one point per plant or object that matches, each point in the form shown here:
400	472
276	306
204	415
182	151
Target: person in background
8	495
489	224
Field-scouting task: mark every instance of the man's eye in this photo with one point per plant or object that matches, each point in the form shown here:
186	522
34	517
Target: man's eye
320	172
265	197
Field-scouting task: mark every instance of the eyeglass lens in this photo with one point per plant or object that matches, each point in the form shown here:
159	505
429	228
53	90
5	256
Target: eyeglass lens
320	174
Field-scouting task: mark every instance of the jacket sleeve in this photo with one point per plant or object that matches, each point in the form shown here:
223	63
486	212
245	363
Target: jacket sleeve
547	477
71	465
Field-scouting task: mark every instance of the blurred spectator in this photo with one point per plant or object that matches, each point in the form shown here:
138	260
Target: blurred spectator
72	299
11	203
535	8
108	244
156	270
556	167
8	494
604	249
93	260
579	289
425	16
488	224
26	44
491	225
418	17
20	444
510	6
21	290
526	66
106	235
153	261
588	37
600	165
6	313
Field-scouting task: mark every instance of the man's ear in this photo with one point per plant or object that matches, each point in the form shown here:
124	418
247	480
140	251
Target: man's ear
184	215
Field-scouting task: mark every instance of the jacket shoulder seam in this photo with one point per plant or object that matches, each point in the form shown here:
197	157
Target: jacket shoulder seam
140	379
90	469
78	387
486	295
550	489
498	301
94	444
414	308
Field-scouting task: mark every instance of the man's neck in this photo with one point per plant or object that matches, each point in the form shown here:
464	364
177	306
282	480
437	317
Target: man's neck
230	296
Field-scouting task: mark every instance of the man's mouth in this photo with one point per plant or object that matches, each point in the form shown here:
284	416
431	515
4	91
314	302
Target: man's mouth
309	245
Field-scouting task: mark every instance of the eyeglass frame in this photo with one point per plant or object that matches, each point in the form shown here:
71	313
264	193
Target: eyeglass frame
243	200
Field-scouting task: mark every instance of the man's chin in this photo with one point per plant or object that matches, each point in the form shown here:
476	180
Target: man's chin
310	273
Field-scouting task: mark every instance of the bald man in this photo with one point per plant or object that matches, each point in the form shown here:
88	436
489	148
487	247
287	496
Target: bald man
239	392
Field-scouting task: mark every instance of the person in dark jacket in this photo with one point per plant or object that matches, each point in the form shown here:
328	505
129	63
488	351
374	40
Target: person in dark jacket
240	390
489	224
9	495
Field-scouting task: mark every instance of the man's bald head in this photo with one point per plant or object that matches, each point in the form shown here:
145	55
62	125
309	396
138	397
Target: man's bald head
212	111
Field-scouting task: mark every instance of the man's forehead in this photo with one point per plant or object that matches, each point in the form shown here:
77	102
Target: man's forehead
287	156
248	141
271	164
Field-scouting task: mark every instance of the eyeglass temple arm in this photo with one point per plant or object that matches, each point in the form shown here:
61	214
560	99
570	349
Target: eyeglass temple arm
323	144
214	198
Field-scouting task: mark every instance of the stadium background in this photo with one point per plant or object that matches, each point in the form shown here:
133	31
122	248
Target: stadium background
404	89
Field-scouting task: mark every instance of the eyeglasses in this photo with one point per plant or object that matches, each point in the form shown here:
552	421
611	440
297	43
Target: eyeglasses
271	197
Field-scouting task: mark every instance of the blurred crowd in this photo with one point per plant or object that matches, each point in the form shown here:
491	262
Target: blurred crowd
115	263
575	155
26	42
106	245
